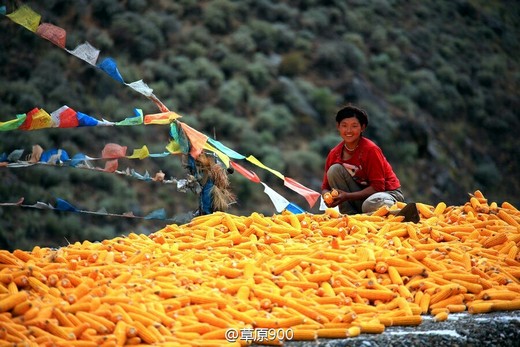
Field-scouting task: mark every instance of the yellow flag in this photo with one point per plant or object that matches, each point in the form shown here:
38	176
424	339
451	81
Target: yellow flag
41	120
26	17
257	162
161	118
140	153
224	158
173	147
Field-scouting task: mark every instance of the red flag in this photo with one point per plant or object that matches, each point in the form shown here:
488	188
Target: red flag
69	119
111	165
26	125
250	175
52	33
113	151
310	195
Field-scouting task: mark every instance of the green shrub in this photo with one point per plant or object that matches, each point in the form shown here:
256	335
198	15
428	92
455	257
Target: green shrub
316	19
142	36
222	123
234	93
258	74
331	57
264	34
191	93
241	41
323	144
293	64
194	49
378	39
277	120
488	175
304	164
183	68
218	16
207	70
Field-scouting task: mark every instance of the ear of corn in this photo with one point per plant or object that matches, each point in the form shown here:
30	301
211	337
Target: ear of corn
323	276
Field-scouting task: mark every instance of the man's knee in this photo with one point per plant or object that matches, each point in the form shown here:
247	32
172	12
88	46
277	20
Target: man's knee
335	170
376	201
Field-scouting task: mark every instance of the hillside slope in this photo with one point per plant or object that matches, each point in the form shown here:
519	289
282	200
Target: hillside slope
440	82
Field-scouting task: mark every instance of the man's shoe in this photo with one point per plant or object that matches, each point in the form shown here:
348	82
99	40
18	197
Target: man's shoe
410	213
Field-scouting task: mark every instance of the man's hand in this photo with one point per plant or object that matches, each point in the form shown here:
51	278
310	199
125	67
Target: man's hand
334	197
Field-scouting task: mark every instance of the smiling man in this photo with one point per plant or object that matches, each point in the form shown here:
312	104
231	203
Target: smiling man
357	169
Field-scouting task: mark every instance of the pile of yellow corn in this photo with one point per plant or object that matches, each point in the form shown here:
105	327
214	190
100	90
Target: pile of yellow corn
265	279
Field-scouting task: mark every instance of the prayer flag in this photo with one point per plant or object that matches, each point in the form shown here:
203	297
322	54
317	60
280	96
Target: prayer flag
52	33
310	195
140	153
250	175
13	123
113	151
36	119
63	205
227	151
224	158
84	120
86	52
161	118
257	162
26	17
141	87
110	67
279	202
135	120
197	139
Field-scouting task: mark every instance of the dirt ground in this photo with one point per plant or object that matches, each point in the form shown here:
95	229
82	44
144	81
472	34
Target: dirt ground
460	330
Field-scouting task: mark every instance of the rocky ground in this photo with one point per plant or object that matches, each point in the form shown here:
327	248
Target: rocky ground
460	330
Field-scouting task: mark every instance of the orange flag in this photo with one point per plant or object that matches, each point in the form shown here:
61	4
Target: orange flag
197	139
161	118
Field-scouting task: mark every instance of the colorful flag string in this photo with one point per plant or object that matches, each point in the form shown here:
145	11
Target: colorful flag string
65	117
29	19
65	206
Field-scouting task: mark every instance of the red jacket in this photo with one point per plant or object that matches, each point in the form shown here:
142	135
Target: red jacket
368	166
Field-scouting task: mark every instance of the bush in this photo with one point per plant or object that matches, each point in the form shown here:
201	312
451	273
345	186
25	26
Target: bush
191	93
184	68
194	50
315	19
224	124
293	64
322	99
138	33
233	64
323	144
304	164
219	15
277	120
258	74
154	70
378	39
233	94
488	175
264	35
22	95
241	41
207	70
105	10
332	57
